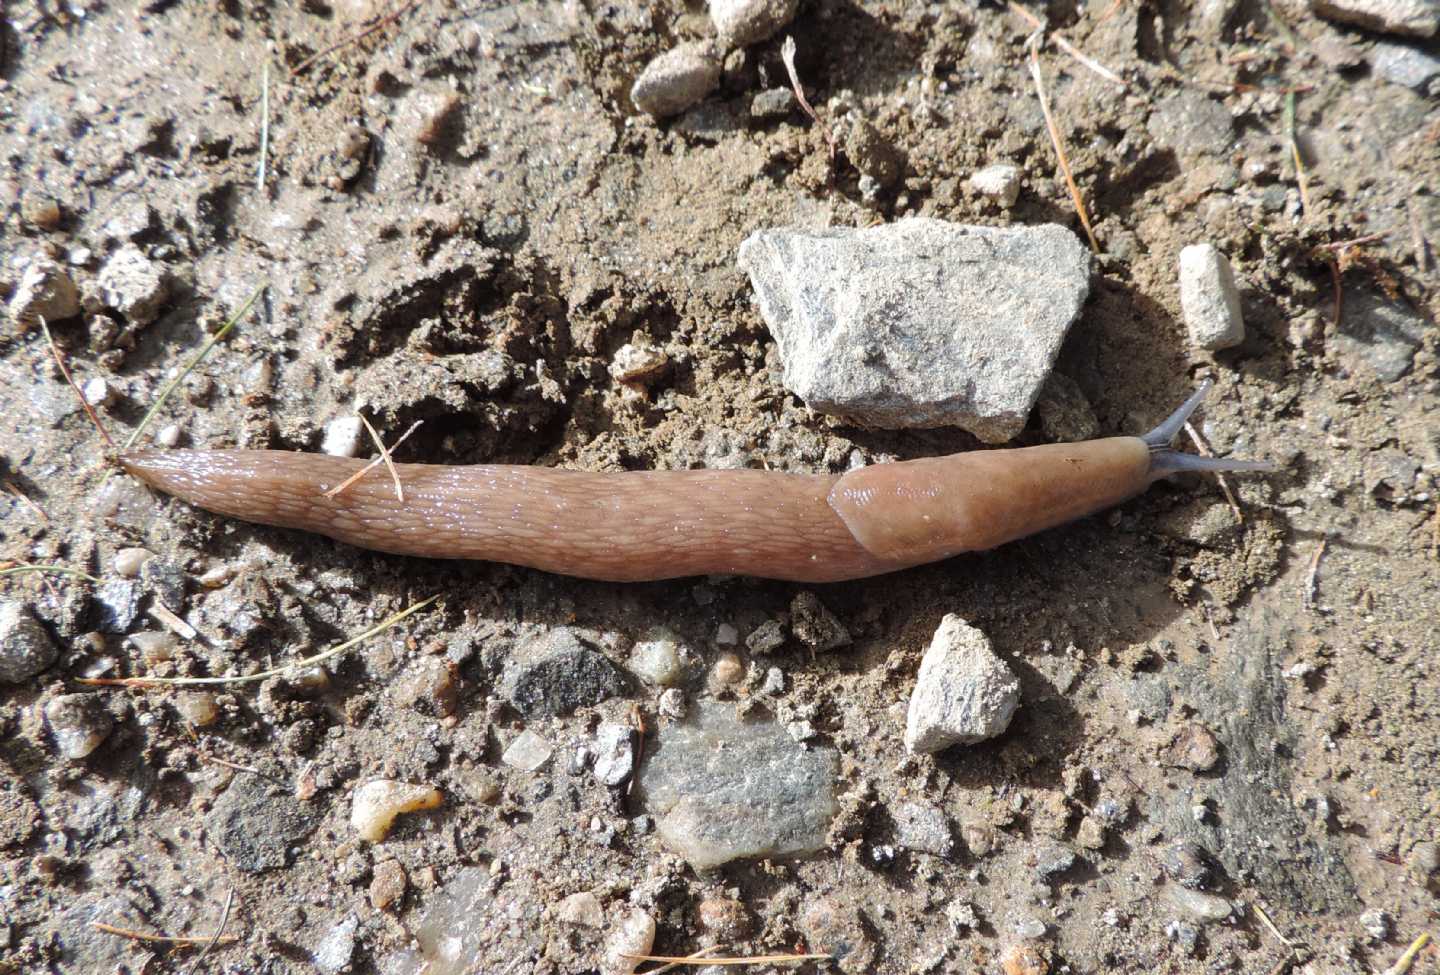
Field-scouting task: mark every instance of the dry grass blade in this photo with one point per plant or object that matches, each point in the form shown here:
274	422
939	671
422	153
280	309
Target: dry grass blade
752	960
787	54
319	658
1205	451
1300	177
210	343
264	126
383	458
389	18
162	939
219	932
1406	960
63	570
65	371
1312	578
1034	45
701	955
1264	917
14	489
1070	49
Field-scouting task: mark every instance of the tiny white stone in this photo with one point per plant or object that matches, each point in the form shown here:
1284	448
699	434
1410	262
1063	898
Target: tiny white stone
1000	182
128	561
99	392
633	933
342	436
1209	298
528	752
168	436
963	693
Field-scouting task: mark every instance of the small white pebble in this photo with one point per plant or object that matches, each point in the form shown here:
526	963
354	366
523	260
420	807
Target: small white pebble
342	436
99	392
376	804
169	435
528	752
1000	183
128	561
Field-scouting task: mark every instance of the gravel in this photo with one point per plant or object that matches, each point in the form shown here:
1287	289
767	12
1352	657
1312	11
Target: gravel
676	80
47	291
1402	64
25	647
1209	298
743	22
963	694
79	724
527	752
1000	182
134	285
614	754
557	673
342	436
919	323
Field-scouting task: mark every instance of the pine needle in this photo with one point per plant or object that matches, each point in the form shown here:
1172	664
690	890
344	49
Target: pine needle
1034	45
63	570
752	960
163	939
1071	49
384	457
65	371
1300	177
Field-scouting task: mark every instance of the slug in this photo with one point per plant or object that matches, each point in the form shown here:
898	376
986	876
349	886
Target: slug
643	525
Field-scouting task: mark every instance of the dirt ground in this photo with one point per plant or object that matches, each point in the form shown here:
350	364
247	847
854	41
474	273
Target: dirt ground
462	220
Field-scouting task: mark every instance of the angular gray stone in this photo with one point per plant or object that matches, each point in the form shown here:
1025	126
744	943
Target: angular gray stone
134	285
963	693
1377	335
336	949
1402	64
743	22
614	754
1209	298
1191	123
676	80
919	323
722	788
25	647
47	291
256	822
557	673
1416	18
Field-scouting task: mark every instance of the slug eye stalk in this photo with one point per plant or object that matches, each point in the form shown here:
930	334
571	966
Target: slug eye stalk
1166	460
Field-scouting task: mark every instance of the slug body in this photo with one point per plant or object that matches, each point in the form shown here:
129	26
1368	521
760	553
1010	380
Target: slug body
644	525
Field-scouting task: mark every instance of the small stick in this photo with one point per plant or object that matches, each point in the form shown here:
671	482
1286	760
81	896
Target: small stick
1300	177
65	371
1070	49
264	125
172	622
1270	926
24	499
224	920
384	457
160	938
1034	45
391	17
787	54
148	682
63	570
1205	451
1308	594
1406	960
753	960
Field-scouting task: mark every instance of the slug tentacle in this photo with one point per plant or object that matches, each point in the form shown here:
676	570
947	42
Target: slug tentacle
1166	460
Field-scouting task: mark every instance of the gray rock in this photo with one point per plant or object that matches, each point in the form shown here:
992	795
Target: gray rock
25	646
1198	904
919	323
555	674
47	291
766	638
1190	123
1053	860
963	693
723	787
676	80
165	582
117	605
1187	863
923	828
256	822
1377	335
79	723
1209	298
743	22
614	754
814	625
337	948
1416	18
1402	64
134	285
772	104
659	659
1377	924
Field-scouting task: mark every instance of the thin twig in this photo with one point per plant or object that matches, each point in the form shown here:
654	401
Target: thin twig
702	954
25	499
224	920
1205	451
384	456
1070	49
337	489
160	938
63	570
65	371
1034	45
1312	578
147	682
787	54
1406	960
1270	926
1300	178
753	960
172	622
391	17
264	125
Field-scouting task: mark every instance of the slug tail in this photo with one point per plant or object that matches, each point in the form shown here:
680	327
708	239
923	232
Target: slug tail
1166	460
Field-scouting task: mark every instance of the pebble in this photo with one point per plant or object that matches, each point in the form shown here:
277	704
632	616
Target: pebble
724	918
197	708
79	723
1091	834
774	684
873	154
1000	182
772	104
527	752
430	686
556	673
375	805
638	362
963	693
1194	747
740	23
1413	18
431	113
921	322
336	949
154	646
1192	124
1028	927
1186	863
1053	860
99	391
658	659
1209	298
766	638
672	704
923	828
814	625
1377	336
1402	64
168	436
723	788
614	754
677	79
342	436
1377	924
835	922
387	885
726	635
1424	862
632	933
962	916
1184	934
727	671
582	908
47	291
258	825
40	211
25	645
134	285
1023	959
1198	904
